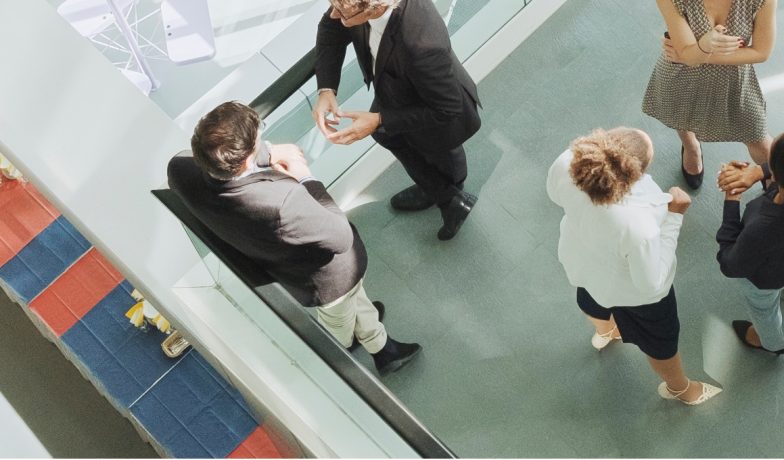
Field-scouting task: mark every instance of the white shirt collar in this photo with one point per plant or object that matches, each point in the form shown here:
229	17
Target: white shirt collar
380	23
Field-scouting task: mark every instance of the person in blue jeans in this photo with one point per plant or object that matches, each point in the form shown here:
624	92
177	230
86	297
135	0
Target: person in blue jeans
752	249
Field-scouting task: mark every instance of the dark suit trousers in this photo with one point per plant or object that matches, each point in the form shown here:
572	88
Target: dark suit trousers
439	173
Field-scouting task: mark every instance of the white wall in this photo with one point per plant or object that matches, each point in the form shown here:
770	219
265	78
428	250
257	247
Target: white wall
95	147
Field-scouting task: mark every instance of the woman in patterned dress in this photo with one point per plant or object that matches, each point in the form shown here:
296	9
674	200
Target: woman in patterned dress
704	85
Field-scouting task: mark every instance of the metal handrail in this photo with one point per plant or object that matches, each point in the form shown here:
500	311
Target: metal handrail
288	83
291	312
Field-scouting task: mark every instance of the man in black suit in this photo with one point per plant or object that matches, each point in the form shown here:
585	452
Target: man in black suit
425	104
262	200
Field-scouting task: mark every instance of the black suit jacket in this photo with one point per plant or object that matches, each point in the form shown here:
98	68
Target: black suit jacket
422	90
294	231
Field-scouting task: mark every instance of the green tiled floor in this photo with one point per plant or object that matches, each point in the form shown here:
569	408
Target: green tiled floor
508	369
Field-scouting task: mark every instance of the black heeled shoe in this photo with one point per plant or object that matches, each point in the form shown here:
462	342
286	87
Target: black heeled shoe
741	328
694	181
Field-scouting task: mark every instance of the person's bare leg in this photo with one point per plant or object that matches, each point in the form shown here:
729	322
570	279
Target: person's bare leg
671	371
604	326
759	150
692	155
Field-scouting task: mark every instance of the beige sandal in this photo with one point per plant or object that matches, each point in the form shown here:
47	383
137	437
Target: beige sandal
600	341
708	391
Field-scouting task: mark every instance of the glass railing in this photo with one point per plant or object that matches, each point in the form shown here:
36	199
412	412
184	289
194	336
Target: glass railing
175	51
270	308
286	108
470	23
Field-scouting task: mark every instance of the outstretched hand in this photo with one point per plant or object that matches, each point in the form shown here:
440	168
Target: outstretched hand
363	125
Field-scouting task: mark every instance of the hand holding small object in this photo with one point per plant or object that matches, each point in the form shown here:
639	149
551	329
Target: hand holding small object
327	104
363	124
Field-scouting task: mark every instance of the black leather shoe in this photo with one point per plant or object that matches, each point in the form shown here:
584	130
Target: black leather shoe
412	199
381	310
395	355
455	213
694	181
741	328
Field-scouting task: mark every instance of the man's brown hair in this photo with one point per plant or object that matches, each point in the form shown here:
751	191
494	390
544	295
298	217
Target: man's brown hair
224	138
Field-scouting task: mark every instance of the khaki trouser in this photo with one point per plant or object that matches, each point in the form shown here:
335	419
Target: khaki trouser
354	315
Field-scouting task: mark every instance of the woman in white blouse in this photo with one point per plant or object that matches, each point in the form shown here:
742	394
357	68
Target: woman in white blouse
617	245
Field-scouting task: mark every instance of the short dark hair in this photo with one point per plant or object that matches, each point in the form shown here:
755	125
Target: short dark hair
224	138
776	162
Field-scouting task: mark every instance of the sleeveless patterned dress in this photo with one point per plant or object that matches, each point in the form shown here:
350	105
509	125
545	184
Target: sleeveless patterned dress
719	103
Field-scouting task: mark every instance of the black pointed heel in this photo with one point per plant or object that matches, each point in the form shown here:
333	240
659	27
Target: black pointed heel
694	181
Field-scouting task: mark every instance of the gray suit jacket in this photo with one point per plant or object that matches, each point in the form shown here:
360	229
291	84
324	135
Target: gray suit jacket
294	231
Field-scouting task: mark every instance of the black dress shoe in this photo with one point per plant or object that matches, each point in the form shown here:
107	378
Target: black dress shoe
455	213
412	199
381	310
694	181
395	355
741	328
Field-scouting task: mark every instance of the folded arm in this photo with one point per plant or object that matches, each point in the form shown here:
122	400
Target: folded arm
692	52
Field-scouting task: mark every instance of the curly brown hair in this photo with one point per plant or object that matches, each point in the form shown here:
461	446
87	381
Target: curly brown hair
607	163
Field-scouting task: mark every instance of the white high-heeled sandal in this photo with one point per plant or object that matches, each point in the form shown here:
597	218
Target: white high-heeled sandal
708	391
600	341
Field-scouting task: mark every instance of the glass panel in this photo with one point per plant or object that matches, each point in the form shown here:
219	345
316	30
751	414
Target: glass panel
151	43
177	50
470	23
211	262
237	293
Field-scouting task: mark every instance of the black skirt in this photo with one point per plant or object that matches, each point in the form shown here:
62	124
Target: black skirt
653	328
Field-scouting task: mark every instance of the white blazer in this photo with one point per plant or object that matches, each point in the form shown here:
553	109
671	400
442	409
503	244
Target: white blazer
623	254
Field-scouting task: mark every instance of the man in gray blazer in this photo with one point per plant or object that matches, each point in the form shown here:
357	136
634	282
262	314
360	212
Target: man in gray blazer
425	104
262	200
